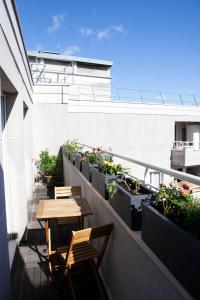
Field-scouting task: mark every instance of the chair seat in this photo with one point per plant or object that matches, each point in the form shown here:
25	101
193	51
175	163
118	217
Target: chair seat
80	252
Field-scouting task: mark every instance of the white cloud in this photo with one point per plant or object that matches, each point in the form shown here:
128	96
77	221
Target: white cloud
57	20
104	33
118	28
71	50
86	31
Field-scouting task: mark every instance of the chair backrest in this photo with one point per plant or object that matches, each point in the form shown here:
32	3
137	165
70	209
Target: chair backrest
67	191
86	235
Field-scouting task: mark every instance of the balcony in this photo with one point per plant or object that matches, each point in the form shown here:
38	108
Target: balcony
130	270
185	154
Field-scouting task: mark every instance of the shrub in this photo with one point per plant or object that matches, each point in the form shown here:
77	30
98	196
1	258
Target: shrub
180	207
47	164
72	146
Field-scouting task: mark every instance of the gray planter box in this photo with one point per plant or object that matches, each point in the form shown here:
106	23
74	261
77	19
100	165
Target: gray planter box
128	206
72	158
87	170
174	247
99	182
65	152
78	161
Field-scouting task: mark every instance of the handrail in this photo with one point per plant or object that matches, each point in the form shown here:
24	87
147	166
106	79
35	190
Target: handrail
180	145
94	93
177	174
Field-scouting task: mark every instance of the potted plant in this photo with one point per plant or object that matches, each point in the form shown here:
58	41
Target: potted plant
91	160
47	165
125	196
171	228
72	148
104	173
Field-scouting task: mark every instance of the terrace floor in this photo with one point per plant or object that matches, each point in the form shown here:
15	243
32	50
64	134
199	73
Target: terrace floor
29	276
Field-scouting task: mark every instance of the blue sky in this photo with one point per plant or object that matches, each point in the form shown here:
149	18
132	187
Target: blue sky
153	44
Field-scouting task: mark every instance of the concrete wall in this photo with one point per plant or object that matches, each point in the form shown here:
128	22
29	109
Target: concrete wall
141	131
50	128
16	86
130	270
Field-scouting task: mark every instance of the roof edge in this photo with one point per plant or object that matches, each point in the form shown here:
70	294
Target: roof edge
62	57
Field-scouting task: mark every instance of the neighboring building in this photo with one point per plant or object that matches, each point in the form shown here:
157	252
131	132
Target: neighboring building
75	78
185	154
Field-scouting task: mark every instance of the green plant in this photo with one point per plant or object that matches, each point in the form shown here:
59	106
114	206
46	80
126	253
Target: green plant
112	188
133	184
47	163
180	207
72	146
92	157
111	169
96	156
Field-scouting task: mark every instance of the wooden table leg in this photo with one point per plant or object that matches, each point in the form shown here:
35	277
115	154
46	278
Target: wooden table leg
46	230
82	222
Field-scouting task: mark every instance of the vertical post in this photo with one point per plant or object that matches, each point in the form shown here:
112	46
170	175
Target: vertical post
162	98
141	95
118	94
93	93
195	100
181	99
62	94
145	174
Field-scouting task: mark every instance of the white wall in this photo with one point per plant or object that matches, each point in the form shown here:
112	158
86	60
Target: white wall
17	86
141	131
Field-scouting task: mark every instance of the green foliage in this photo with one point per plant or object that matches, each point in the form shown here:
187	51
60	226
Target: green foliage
111	169
112	188
96	156
92	157
72	146
47	164
181	207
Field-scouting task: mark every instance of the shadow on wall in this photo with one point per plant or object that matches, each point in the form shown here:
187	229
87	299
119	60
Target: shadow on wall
4	258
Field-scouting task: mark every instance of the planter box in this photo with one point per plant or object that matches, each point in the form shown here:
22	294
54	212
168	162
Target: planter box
72	158
128	206
65	152
99	182
174	247
78	161
87	170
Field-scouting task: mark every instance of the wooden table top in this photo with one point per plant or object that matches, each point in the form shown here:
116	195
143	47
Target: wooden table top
61	208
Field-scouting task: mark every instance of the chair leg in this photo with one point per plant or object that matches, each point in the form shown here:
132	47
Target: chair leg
71	286
99	281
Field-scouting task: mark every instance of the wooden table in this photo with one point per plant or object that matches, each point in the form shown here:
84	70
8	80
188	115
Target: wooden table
61	208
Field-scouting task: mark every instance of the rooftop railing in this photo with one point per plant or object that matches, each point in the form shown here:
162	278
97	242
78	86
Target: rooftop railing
103	93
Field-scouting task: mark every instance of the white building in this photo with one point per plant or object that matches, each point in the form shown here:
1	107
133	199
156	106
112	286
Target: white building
57	98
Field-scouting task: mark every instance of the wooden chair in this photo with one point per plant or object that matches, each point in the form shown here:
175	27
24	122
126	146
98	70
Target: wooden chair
80	250
66	192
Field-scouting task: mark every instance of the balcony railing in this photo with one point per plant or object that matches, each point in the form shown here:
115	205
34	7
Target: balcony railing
180	145
147	167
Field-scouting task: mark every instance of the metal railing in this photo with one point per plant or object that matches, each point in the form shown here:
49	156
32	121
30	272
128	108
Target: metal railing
180	145
102	93
87	92
176	174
